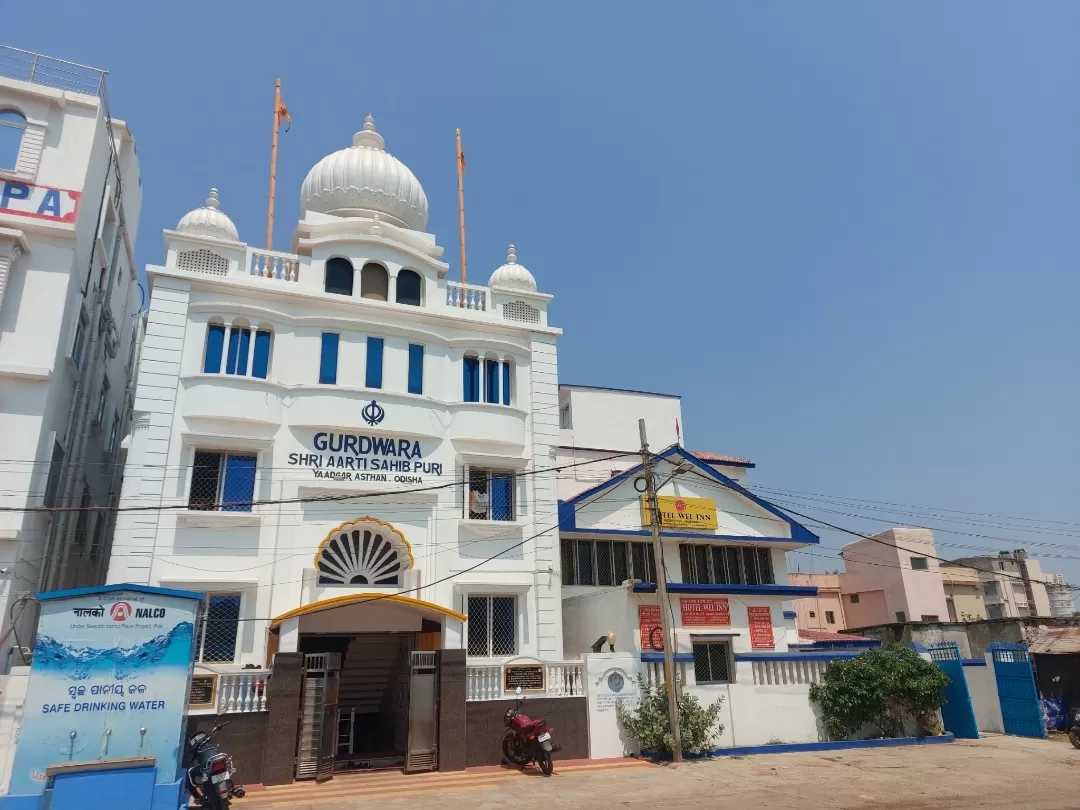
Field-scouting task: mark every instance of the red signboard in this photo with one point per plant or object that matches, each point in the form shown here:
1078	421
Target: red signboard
652	638
699	612
761	637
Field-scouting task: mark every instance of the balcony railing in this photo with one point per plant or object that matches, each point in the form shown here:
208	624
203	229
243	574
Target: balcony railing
561	679
243	691
466	296
271	264
28	66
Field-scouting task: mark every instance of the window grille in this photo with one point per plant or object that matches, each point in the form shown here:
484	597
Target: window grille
79	343
606	562
202	261
215	636
491	494
56	465
492	625
712	663
221	480
520	311
726	565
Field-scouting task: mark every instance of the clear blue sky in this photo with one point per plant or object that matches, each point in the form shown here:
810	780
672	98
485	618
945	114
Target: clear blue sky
845	232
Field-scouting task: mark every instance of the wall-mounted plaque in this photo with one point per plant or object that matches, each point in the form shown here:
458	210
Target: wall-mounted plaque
530	677
203	691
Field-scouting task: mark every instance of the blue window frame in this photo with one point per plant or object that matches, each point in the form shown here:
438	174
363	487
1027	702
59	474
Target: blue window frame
373	377
260	363
239	343
223	481
238	490
502	496
12	128
471	379
416	368
215	342
506	371
491	381
328	359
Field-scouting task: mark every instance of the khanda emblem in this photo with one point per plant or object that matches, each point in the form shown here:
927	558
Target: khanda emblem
373	413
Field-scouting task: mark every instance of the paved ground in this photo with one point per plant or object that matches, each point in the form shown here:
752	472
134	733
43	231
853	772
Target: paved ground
989	773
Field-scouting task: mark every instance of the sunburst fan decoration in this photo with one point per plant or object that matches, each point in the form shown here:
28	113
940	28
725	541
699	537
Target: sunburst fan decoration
364	551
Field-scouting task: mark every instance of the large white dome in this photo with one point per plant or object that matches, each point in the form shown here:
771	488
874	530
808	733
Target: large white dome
209	220
364	180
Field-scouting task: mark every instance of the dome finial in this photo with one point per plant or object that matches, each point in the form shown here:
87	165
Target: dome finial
511	255
212	200
209	220
368	137
513	274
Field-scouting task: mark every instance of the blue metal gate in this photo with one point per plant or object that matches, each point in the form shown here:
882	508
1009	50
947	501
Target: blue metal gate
1021	711
957	715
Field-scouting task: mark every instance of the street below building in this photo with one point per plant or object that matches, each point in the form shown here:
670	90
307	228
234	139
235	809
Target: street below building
996	771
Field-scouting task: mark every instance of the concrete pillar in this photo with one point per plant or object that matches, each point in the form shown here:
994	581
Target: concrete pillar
282	728
10	248
452	741
289	635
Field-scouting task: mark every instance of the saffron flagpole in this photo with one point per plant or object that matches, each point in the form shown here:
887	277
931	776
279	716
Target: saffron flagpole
461	208
280	111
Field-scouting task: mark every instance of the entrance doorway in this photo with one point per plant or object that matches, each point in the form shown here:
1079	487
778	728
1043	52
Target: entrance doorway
385	711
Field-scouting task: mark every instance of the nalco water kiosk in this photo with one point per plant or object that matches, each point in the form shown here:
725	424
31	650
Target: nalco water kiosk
104	715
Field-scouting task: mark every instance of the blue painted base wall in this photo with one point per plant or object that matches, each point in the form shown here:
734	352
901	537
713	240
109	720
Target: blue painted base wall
794	748
122	789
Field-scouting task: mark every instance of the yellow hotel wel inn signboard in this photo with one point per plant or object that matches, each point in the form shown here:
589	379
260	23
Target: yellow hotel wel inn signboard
681	513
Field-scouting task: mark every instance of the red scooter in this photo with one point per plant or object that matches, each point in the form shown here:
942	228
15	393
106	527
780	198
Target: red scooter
527	740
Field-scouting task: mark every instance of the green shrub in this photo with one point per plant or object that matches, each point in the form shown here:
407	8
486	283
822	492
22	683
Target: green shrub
881	688
647	723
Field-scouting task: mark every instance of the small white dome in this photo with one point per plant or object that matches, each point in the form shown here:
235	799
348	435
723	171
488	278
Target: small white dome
364	180
209	220
513	274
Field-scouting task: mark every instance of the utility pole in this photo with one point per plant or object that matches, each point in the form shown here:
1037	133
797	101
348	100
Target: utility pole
662	596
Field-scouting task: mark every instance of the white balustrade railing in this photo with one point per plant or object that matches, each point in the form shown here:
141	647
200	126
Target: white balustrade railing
243	691
654	672
561	679
789	673
271	264
466	296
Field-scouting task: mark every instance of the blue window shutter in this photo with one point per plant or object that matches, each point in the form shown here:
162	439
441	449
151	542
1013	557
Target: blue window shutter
502	496
215	342
506	382
471	377
373	378
328	361
491	381
242	356
260	363
416	368
234	346
239	488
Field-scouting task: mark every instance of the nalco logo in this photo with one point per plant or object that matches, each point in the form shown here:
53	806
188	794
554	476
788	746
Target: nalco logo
121	611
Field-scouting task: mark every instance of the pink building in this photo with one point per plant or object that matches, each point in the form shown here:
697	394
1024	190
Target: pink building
824	612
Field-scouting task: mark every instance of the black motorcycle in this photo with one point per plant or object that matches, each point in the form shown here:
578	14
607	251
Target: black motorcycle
209	776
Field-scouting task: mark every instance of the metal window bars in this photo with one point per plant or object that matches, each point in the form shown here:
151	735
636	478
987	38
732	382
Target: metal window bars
606	562
216	631
712	663
492	625
726	565
491	494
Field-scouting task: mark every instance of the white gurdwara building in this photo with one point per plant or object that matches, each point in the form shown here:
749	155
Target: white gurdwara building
281	396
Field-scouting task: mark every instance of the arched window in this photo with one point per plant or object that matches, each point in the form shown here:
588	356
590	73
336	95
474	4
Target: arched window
408	288
491	380
339	276
364	552
374	282
471	378
12	127
507	379
260	358
215	342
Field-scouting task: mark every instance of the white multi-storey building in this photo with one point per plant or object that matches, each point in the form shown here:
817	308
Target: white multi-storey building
69	317
320	428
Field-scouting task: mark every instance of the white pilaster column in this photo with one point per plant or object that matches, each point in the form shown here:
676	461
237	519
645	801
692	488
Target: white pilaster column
12	244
